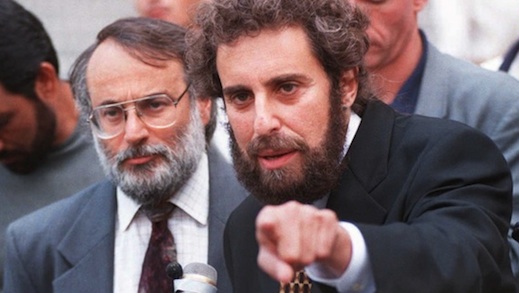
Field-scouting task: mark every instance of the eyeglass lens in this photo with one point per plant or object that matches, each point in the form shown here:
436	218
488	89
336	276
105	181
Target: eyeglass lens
156	111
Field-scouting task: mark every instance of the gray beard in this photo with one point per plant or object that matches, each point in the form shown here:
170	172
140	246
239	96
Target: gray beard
157	181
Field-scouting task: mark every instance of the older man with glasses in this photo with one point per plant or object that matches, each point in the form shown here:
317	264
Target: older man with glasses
171	191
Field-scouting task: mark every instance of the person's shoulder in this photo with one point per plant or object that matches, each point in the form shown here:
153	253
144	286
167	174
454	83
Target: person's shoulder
463	91
443	145
418	125
462	74
432	127
56	216
431	133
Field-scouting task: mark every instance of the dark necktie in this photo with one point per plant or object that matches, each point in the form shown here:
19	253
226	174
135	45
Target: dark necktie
300	284
161	251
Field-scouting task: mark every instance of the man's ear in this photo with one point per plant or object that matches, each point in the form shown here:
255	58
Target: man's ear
47	82
204	107
349	87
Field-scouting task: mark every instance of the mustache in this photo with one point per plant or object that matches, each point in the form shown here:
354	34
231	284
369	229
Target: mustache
140	151
275	142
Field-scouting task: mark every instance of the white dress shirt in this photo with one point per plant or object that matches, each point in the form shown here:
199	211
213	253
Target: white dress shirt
188	224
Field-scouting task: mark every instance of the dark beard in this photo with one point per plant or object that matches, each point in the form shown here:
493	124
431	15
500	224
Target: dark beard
41	145
321	167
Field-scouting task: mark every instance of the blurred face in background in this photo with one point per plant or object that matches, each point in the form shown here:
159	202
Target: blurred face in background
180	12
27	130
392	25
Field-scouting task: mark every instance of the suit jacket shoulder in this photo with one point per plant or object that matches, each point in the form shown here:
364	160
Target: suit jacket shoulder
486	100
418	195
459	90
65	245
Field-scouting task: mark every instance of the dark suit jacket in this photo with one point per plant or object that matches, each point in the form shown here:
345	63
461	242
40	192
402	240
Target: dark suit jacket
69	246
431	197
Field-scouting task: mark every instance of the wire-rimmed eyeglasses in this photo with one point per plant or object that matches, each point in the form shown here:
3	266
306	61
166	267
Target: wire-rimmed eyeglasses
157	111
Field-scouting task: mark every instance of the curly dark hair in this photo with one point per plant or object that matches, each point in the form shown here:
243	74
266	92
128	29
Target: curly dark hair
336	31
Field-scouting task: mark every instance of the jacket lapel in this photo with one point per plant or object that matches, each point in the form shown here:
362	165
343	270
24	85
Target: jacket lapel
366	166
89	245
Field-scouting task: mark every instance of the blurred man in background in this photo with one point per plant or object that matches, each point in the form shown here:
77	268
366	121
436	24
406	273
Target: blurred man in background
46	153
180	12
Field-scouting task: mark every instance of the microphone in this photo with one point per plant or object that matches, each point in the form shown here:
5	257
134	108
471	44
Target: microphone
196	278
174	270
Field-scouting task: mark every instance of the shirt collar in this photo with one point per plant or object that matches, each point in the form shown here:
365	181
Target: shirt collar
407	97
192	198
353	126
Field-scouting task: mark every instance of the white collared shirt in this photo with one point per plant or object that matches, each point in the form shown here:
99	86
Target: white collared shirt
188	224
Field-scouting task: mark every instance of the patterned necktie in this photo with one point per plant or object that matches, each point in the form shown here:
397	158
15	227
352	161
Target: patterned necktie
161	251
300	284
